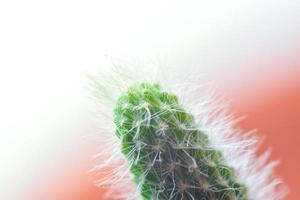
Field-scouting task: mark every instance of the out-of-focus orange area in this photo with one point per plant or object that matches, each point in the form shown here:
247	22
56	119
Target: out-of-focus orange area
71	182
278	120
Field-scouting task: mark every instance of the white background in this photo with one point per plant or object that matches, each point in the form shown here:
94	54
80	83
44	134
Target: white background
48	47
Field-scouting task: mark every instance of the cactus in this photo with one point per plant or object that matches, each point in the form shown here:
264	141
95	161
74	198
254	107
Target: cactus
174	139
169	156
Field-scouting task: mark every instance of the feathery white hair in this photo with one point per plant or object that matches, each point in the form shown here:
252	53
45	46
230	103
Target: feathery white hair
211	115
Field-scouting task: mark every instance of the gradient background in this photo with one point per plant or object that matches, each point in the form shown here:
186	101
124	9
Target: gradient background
248	49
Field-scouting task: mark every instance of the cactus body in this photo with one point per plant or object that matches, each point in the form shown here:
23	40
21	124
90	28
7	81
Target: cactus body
169	156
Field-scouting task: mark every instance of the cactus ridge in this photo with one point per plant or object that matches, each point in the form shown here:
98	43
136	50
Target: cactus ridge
169	156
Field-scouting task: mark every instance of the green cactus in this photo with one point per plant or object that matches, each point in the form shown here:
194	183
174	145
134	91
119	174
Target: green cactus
169	156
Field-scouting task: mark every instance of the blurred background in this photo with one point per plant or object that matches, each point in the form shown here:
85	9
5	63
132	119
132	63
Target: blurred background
48	132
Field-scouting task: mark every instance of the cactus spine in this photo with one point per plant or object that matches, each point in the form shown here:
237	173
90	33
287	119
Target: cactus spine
169	156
